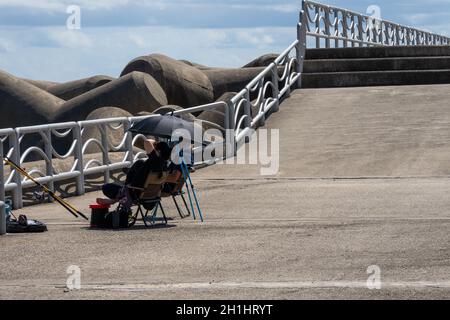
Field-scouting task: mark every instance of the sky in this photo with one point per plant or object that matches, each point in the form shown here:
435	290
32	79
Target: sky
35	42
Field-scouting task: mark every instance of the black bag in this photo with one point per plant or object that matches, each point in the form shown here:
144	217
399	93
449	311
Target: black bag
25	225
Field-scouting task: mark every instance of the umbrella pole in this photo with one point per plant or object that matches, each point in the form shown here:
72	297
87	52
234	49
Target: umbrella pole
183	164
193	191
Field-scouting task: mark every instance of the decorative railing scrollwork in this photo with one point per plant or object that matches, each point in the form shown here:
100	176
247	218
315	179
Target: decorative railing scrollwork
264	94
337	27
248	110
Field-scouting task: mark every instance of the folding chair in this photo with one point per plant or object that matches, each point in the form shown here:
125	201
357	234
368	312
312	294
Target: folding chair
178	192
149	200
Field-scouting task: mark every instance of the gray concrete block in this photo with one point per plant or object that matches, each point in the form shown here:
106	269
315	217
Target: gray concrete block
72	89
114	136
134	92
183	84
228	80
262	61
23	104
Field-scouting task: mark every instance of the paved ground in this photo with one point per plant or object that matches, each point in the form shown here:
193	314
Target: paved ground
299	234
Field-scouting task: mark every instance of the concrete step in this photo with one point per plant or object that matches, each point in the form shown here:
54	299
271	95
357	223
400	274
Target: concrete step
376	64
378	52
375	78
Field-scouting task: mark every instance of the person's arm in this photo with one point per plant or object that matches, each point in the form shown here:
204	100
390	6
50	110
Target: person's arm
149	145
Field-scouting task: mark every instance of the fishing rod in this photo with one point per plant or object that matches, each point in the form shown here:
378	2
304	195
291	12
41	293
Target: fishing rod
58	199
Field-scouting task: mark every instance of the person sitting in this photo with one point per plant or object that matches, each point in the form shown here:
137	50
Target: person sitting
158	155
175	174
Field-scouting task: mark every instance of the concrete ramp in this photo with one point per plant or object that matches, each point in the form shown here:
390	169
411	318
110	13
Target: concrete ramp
360	132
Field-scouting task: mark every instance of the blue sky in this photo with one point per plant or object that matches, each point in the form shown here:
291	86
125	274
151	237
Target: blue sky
35	43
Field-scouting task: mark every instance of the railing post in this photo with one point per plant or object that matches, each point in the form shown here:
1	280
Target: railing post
275	89
301	45
344	28
2	217
248	112
360	31
317	20
387	34
128	141
49	163
353	31
373	30
336	28
15	156
78	155
105	147
2	174
397	35
327	28
248	109
409	34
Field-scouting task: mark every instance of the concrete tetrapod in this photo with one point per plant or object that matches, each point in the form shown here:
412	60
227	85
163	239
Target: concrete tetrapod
228	80
23	104
183	84
262	61
114	136
217	115
169	108
196	65
41	84
72	89
134	92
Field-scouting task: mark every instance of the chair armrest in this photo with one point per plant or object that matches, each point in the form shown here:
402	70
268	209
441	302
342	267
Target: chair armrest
135	188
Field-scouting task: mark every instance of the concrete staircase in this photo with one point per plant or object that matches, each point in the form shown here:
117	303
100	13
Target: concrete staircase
376	66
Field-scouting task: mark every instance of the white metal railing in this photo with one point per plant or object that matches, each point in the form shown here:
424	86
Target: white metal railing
342	27
77	141
247	110
2	218
264	93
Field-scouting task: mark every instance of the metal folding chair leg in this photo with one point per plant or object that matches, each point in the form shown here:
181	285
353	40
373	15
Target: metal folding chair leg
162	211
180	212
186	205
153	211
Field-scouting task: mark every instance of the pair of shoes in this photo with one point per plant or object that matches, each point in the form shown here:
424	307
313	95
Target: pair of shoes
24	225
23	220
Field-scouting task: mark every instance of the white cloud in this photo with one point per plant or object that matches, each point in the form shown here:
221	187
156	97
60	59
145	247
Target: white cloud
50	5
256	37
69	38
281	7
6	45
137	40
70	55
61	5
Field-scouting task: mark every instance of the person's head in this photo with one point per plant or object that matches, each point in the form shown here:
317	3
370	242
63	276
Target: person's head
164	150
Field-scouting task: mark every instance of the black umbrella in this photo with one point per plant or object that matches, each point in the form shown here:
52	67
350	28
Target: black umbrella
164	126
